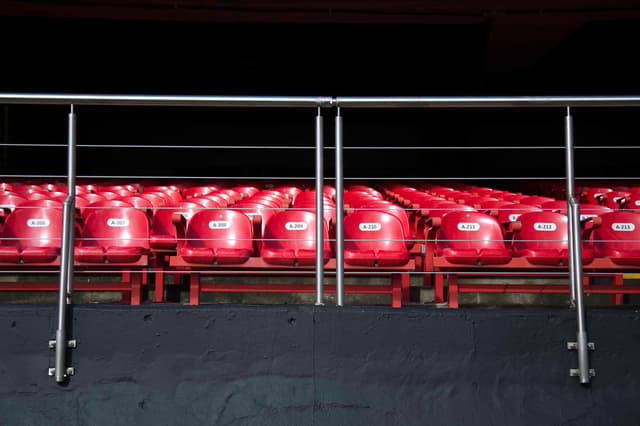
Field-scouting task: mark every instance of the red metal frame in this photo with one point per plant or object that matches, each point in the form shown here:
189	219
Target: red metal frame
521	267
133	277
399	288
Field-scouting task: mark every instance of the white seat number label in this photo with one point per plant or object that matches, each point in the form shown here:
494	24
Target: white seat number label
462	226
374	226
513	217
627	227
219	224
295	226
637	202
117	223
587	216
539	226
38	223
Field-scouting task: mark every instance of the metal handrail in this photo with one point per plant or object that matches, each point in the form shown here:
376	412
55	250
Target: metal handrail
66	267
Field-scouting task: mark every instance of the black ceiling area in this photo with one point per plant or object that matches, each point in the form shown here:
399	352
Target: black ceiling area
354	48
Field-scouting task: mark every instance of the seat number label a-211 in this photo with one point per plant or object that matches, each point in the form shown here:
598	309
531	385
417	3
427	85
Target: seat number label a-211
627	227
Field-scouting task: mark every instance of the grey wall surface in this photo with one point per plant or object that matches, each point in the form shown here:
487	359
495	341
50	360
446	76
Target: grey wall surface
302	365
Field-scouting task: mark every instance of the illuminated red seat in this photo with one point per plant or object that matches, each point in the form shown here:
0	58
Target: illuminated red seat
123	190
616	199
289	239
617	236
587	211
217	237
511	212
595	195
198	191
9	201
535	200
32	233
374	238
399	213
542	238
105	205
467	237
114	235
246	191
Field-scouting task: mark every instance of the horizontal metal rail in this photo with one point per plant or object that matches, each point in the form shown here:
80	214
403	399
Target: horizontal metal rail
162	100
487	102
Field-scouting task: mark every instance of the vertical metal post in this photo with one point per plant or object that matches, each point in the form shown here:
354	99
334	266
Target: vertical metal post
339	213
319	210
575	259
66	257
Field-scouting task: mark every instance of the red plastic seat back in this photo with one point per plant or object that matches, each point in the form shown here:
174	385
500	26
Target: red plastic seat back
220	229
33	226
542	231
289	238
116	227
618	231
512	212
377	233
469	230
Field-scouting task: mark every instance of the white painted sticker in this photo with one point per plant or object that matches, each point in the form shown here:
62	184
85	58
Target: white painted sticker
219	224
540	226
462	226
373	226
117	222
295	226
637	202
513	217
38	223
626	227
587	216
186	215
7	206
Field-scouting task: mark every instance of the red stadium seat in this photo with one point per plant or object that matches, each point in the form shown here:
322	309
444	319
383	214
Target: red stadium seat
217	237
374	238
115	235
617	236
595	195
467	237
32	233
289	239
542	238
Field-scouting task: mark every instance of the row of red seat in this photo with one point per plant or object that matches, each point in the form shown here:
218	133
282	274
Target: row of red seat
172	228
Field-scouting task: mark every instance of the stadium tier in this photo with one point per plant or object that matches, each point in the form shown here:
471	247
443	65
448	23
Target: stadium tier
437	231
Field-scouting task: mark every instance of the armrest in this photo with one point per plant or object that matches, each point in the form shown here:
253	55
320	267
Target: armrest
589	226
180	222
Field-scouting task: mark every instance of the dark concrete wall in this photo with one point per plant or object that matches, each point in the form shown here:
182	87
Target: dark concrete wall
283	365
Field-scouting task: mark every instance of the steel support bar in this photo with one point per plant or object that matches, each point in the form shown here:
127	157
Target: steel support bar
66	262
319	211
486	102
339	213
159	100
575	256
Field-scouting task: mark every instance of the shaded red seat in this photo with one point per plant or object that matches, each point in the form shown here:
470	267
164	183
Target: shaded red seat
217	237
511	213
32	234
374	238
616	235
114	235
289	239
468	237
542	238
198	191
535	200
595	195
